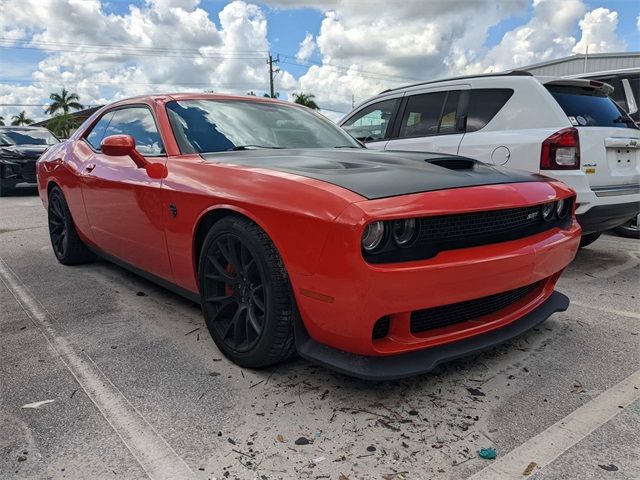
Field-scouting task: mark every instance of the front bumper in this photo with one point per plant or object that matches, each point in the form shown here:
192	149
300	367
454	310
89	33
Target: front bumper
343	300
606	217
13	174
421	361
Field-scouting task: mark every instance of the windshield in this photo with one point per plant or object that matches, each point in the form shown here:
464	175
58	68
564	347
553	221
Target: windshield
587	107
26	137
205	126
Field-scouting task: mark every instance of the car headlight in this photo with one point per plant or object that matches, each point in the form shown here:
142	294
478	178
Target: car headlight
404	232
548	209
372	236
562	208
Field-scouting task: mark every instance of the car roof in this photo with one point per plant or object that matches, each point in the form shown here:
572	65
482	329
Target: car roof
168	97
510	73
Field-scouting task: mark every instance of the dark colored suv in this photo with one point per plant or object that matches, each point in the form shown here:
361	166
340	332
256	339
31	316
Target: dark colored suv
20	148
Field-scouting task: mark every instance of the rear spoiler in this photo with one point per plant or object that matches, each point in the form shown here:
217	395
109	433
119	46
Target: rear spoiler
580	82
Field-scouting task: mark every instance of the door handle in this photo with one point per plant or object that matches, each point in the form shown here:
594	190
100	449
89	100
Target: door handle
89	168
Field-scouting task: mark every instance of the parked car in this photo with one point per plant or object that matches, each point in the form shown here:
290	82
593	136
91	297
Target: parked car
20	147
626	87
626	93
568	129
293	237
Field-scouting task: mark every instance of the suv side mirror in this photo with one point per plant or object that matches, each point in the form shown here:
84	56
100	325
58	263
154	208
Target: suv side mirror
121	146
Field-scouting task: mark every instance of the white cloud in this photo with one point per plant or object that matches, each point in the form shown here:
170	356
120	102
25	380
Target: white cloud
364	49
599	32
306	48
158	49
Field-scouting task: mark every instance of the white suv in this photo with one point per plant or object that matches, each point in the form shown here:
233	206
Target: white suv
568	129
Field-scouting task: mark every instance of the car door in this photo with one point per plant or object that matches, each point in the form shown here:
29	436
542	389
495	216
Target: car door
123	202
430	121
372	124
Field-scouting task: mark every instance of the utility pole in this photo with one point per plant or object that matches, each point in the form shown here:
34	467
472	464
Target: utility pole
272	73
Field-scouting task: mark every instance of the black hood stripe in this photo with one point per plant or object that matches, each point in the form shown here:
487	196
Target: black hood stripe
377	174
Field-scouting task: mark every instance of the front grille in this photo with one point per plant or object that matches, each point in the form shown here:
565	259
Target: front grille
437	317
450	232
28	171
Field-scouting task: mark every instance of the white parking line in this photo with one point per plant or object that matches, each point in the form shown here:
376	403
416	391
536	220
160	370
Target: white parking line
548	445
152	452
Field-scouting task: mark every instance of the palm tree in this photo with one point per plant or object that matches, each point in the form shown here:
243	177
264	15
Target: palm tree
306	99
62	124
21	119
63	101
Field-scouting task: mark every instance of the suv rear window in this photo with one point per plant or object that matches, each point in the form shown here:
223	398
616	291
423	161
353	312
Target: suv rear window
484	104
590	107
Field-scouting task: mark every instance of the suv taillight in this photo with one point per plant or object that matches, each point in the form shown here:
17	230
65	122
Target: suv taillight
561	150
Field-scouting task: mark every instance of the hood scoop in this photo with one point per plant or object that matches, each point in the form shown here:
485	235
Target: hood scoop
453	163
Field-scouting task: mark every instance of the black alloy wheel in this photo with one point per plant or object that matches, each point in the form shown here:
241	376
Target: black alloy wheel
58	229
67	245
245	294
236	293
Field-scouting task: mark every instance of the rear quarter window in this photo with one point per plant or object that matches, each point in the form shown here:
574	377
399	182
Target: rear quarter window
484	104
587	107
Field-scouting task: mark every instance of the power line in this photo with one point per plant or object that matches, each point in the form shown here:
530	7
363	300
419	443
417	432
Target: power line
167	52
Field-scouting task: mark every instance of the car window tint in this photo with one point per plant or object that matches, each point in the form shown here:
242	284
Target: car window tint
590	107
372	123
96	134
139	123
484	104
422	115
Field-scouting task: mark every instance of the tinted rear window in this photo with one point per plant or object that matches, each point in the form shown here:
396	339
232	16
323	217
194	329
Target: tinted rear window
484	104
589	107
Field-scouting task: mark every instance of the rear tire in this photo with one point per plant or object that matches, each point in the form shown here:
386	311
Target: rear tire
589	238
66	244
245	294
630	229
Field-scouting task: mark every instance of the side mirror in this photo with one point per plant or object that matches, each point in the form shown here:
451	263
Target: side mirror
122	146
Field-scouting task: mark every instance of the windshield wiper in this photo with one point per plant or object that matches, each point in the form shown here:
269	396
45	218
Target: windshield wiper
249	147
346	146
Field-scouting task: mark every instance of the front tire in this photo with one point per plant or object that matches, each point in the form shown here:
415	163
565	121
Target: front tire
5	190
67	246
589	238
245	294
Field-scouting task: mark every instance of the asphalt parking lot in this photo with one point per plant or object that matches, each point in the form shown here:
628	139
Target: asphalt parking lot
139	389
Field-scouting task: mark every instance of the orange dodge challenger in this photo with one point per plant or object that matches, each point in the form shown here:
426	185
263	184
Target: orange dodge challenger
295	238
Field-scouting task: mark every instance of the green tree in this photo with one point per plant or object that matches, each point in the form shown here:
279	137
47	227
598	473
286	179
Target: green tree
275	95
63	101
306	99
62	124
21	119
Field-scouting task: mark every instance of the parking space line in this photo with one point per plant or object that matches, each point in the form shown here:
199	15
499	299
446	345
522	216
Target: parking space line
158	459
623	313
548	445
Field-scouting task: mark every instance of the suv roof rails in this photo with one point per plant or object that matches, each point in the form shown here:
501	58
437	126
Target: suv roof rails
513	73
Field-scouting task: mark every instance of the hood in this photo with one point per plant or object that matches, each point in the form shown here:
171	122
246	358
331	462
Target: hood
376	174
22	153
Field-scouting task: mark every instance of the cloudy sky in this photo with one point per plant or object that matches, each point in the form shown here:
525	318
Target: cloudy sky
339	50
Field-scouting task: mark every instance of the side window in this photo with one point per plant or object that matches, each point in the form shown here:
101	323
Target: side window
372	122
484	104
139	123
430	114
96	134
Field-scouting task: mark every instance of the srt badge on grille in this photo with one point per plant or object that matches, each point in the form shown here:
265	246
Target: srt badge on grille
532	216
